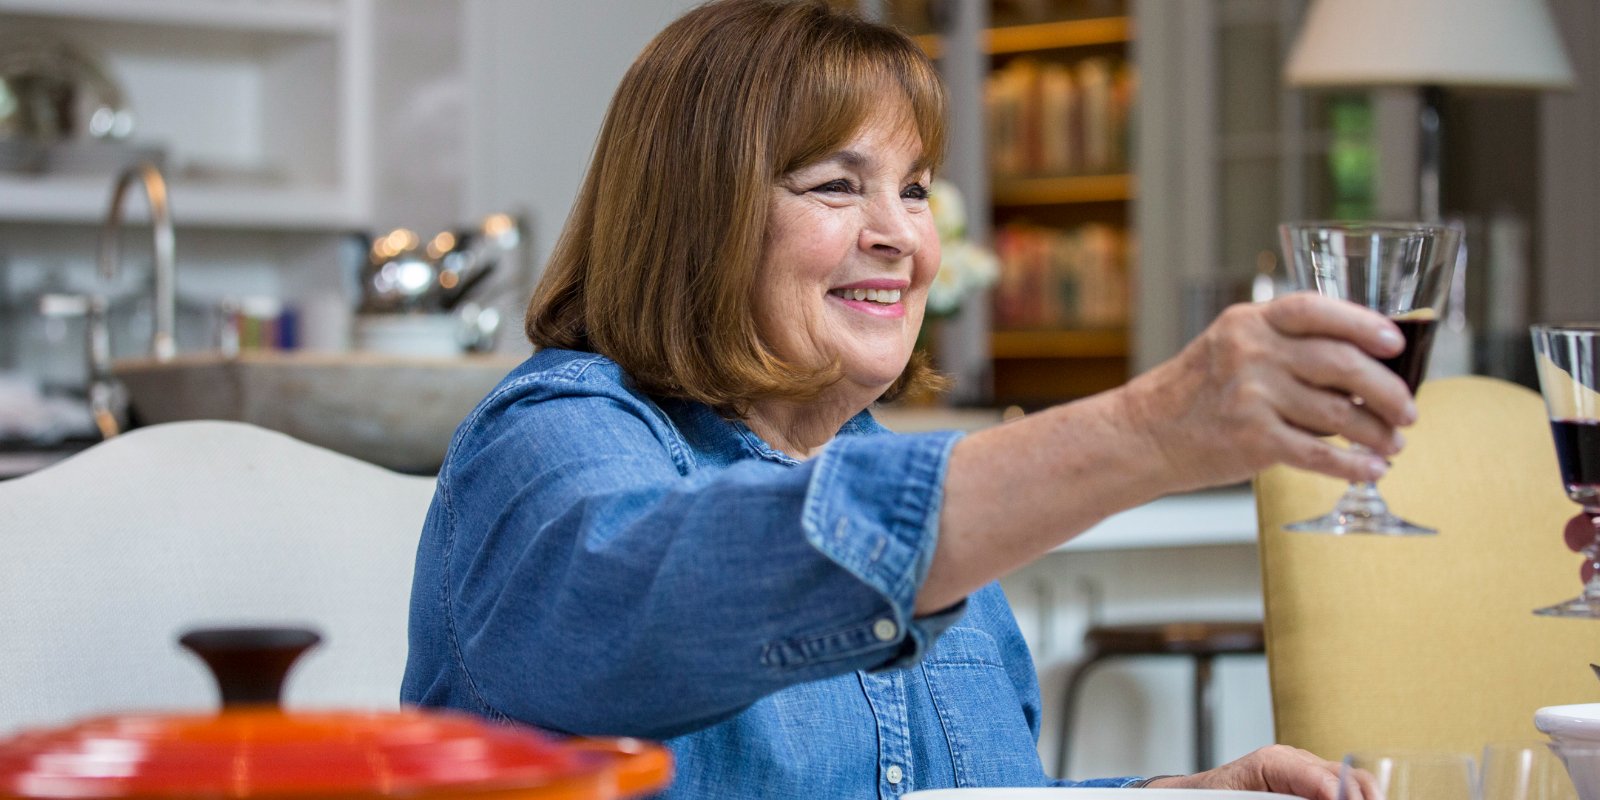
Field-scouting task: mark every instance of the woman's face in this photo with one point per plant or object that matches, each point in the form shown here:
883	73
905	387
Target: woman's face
850	252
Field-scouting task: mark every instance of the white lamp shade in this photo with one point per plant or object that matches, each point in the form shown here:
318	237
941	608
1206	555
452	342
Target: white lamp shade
1490	43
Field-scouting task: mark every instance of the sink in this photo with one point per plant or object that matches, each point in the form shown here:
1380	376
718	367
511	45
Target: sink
394	411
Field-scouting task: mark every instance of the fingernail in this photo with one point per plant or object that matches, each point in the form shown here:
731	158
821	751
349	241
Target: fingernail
1390	337
1399	443
1409	413
1376	468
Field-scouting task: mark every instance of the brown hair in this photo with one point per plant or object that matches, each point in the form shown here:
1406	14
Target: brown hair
657	262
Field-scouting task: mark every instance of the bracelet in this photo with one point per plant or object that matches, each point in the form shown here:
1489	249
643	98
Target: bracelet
1145	782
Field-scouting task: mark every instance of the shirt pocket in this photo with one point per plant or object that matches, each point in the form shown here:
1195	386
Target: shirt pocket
978	706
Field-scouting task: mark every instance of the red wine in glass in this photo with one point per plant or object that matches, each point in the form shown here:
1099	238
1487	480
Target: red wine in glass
1578	452
1412	363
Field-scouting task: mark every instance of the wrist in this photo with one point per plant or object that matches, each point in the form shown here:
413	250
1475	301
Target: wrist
1147	436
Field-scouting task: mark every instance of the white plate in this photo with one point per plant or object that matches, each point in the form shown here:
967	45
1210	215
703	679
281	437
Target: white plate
1580	721
1093	794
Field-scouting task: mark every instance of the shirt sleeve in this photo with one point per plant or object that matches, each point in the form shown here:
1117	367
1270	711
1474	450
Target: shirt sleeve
592	585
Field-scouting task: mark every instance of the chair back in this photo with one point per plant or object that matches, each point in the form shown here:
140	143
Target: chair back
106	557
1429	641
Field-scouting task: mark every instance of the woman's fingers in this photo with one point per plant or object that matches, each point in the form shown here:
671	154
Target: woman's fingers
1276	768
1304	314
1303	450
1323	412
1346	369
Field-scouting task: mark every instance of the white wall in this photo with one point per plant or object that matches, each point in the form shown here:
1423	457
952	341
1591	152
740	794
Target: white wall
541	75
419	115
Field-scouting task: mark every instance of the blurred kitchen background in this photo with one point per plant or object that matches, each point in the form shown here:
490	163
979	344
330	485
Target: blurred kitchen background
388	175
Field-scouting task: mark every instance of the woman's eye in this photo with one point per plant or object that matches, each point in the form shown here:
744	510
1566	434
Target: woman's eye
836	186
915	191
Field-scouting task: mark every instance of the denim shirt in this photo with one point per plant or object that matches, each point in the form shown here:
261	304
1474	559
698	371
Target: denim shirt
599	562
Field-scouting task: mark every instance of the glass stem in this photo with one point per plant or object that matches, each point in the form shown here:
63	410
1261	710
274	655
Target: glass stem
1362	498
1591	589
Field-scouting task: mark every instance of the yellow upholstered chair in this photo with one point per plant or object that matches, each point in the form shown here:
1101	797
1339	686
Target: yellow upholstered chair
1429	641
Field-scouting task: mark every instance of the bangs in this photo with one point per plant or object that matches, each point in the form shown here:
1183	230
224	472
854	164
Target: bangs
842	80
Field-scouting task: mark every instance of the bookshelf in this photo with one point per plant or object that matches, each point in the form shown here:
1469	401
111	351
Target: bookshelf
1062	190
1056	106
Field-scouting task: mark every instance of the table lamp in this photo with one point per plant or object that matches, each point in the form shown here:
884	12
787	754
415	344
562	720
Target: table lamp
1432	45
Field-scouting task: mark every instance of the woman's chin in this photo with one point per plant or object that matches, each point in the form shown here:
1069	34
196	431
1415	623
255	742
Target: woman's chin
876	378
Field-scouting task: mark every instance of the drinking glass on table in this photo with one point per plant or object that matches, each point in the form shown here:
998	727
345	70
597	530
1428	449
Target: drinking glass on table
1565	357
1401	270
1399	775
1523	771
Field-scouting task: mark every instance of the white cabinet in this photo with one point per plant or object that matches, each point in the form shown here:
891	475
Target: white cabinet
263	107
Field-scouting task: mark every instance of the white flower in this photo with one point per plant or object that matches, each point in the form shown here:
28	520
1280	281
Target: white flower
965	268
949	212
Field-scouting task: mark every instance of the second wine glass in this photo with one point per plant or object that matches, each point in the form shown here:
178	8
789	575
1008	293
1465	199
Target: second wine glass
1568	359
1401	270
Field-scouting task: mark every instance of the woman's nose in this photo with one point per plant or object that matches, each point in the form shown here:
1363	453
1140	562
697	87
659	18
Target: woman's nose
890	231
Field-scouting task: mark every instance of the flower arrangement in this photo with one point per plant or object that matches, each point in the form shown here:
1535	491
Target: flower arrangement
965	268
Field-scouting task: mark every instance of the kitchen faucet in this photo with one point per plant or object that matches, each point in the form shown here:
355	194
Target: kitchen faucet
162	343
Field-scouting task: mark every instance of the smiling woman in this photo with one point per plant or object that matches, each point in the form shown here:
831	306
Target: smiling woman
679	518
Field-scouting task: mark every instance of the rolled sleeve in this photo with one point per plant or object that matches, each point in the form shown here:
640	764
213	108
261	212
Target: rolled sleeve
872	507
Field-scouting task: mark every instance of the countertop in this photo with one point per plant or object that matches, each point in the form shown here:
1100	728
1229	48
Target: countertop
18	459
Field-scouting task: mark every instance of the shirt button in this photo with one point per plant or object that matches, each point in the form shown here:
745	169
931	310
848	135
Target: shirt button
885	629
893	774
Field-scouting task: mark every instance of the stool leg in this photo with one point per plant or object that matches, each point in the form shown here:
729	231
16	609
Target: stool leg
1204	714
1069	702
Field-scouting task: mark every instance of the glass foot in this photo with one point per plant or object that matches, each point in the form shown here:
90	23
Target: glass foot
1360	510
1576	608
1340	523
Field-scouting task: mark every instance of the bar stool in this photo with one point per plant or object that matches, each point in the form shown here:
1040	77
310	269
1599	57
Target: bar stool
1202	641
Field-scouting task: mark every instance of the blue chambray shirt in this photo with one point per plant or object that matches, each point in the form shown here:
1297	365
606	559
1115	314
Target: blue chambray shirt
596	561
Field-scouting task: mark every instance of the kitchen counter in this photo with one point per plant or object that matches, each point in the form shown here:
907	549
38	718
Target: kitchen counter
17	459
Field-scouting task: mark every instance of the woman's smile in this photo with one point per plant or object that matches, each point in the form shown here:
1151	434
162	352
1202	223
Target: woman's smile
880	298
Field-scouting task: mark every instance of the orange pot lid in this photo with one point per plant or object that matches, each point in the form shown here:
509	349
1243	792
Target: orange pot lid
258	751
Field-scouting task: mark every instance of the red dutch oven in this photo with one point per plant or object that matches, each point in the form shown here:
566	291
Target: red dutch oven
254	749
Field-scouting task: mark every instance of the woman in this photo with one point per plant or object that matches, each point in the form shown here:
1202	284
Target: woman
679	520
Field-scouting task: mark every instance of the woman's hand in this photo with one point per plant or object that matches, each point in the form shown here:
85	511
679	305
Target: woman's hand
1264	382
1276	768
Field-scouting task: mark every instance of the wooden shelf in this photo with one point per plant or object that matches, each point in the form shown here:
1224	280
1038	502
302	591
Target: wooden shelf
1059	344
1062	190
275	16
1044	36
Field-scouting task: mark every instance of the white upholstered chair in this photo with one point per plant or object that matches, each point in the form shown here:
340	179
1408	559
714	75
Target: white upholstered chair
106	557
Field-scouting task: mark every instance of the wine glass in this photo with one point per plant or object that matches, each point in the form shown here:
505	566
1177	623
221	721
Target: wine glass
1401	775
1565	356
1523	771
1399	269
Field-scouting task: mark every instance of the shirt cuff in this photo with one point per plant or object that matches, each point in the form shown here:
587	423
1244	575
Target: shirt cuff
1126	782
872	507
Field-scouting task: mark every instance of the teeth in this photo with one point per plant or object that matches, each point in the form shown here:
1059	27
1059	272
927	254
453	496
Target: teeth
884	296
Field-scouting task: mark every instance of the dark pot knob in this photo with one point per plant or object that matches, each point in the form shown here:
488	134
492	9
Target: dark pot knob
249	663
